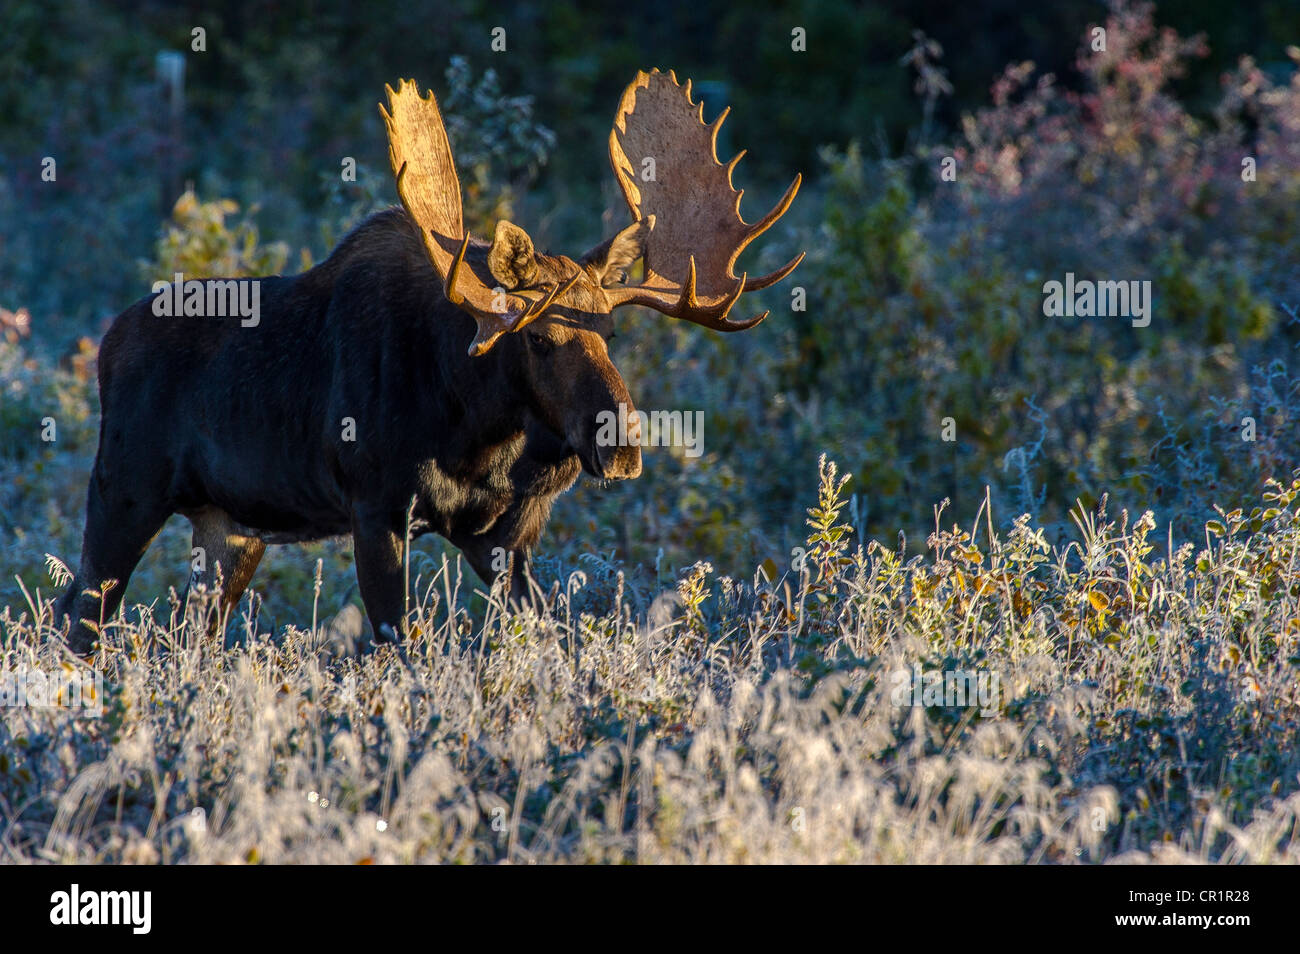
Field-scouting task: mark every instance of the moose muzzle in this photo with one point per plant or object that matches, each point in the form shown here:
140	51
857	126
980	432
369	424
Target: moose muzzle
618	444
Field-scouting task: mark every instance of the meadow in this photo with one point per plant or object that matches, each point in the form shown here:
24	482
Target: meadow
1141	705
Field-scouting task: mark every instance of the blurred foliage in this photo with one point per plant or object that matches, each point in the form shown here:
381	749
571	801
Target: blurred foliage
198	243
286	88
499	149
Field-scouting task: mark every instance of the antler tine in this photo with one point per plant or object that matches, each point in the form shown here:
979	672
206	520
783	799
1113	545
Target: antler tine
688	299
494	326
685	304
689	303
711	316
717	125
765	223
449	284
778	210
731	167
538	308
754	284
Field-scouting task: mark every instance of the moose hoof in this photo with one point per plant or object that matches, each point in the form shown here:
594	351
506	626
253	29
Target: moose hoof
82	641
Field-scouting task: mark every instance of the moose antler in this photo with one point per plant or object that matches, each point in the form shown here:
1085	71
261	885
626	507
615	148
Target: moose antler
420	154
696	230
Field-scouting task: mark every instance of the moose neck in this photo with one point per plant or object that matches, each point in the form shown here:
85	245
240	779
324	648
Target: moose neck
453	407
487	395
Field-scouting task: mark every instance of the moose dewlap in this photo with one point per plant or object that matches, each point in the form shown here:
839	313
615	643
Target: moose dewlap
417	373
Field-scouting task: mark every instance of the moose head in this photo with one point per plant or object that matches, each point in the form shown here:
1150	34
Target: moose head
552	312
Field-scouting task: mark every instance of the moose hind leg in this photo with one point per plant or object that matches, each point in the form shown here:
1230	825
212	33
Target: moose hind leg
119	529
217	543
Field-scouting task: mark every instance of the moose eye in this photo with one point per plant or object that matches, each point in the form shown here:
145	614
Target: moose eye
539	343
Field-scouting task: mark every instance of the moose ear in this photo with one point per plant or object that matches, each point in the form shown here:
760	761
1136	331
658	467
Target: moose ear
511	259
613	256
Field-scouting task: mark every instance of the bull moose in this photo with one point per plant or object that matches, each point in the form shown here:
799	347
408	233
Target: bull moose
471	388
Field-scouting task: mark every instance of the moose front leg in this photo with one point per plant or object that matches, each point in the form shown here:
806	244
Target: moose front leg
491	559
377	546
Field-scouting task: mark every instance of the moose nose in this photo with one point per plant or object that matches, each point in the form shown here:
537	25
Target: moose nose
619	463
621	459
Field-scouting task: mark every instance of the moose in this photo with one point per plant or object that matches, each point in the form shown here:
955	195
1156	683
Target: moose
415	381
